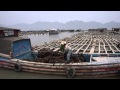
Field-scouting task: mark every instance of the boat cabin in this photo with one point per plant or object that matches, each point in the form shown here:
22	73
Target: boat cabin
14	46
8	32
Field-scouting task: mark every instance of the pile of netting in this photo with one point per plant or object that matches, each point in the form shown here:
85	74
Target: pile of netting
46	55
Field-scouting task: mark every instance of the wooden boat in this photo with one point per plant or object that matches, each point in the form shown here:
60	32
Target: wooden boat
96	65
100	67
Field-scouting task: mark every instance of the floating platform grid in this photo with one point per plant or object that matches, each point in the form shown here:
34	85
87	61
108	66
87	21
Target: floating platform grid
88	43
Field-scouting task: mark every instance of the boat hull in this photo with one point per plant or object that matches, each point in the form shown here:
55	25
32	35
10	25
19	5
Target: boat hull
84	69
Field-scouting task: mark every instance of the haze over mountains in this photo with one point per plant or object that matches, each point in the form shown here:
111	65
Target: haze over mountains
69	25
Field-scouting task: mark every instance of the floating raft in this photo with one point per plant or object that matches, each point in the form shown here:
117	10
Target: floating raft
21	33
88	43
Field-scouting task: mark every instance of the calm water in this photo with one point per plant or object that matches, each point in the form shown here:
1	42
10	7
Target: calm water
39	40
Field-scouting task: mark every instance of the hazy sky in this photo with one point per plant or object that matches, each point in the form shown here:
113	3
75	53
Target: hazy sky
14	17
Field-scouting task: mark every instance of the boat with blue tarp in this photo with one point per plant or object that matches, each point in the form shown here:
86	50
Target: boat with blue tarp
16	53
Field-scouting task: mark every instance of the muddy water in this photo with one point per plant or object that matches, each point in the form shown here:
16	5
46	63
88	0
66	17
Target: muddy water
11	74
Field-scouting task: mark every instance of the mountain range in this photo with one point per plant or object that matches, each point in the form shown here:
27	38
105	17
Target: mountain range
69	25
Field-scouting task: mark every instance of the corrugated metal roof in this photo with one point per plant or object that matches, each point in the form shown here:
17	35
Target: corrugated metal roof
5	28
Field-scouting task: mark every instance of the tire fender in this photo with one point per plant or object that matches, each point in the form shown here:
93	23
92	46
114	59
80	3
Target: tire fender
70	72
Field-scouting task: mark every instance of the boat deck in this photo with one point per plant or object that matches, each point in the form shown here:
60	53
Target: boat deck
107	59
